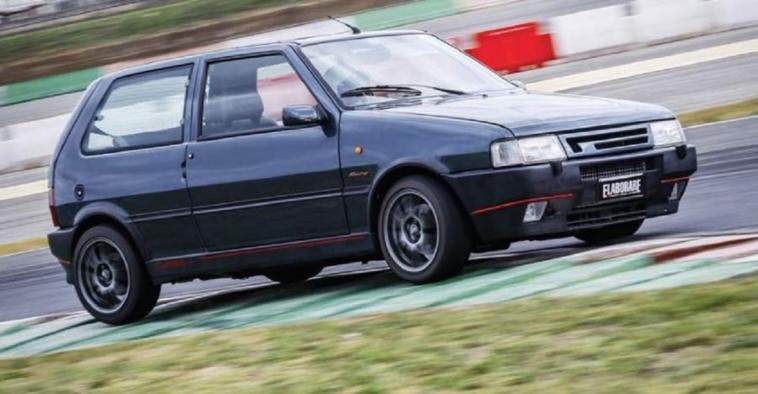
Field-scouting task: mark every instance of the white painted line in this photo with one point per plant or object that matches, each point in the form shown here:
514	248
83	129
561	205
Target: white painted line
637	248
27	189
703	125
620	280
555	84
704	242
723	174
473	5
725	253
707	274
650	247
646	66
746	259
37	187
5	256
721	162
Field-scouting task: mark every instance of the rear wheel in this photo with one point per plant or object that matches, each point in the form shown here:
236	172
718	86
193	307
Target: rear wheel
287	275
609	233
422	231
110	279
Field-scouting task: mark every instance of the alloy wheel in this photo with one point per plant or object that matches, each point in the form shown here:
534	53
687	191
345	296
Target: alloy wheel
411	231
103	275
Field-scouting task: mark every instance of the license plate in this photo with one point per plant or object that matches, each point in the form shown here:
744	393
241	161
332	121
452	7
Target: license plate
617	188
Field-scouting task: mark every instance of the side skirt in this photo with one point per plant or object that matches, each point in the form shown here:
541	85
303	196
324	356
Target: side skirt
248	261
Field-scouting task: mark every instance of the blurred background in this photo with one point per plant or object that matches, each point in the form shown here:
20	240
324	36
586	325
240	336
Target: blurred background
50	50
697	57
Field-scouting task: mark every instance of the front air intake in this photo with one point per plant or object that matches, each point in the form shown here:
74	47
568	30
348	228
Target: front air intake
606	141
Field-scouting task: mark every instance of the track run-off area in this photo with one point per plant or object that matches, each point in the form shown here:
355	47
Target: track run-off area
722	197
710	239
636	266
714	236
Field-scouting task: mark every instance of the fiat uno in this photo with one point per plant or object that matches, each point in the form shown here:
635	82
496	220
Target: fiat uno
280	159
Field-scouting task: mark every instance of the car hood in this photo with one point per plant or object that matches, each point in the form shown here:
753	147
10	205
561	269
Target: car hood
536	113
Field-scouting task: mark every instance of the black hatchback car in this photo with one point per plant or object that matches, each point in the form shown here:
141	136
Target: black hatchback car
280	159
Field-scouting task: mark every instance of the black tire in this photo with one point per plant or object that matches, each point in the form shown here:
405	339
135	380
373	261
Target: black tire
293	274
101	253
609	233
403	240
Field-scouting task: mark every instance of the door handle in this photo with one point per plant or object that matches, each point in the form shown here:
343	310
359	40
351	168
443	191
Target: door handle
184	169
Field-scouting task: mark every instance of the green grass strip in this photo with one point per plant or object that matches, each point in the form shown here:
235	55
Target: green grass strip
23	246
736	110
691	339
50	86
384	18
122	26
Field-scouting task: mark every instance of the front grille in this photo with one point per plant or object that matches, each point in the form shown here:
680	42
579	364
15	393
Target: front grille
611	170
603	141
606	214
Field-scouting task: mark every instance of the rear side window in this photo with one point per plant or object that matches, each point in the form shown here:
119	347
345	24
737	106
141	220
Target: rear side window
248	95
140	111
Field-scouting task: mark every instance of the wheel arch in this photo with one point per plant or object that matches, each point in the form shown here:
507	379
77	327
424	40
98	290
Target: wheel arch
384	181
108	215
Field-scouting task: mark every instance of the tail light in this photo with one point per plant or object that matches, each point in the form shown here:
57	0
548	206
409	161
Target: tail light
51	205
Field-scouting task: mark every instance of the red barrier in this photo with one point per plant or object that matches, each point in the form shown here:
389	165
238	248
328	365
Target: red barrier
514	47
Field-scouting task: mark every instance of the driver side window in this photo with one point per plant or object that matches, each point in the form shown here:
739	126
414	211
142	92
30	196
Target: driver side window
140	111
248	95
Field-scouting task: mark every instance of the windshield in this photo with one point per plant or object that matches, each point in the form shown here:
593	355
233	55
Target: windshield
384	69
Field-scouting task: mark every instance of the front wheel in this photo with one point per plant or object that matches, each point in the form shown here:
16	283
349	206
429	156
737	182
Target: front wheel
609	233
422	231
110	279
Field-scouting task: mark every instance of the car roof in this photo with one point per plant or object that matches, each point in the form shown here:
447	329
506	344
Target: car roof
242	50
343	37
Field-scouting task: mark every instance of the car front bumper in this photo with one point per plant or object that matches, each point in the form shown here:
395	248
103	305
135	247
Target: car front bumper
497	199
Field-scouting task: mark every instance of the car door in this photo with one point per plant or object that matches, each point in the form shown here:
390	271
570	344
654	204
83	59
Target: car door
252	180
131	159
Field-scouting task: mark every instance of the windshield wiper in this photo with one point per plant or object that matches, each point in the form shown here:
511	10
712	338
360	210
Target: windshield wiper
408	89
369	90
443	90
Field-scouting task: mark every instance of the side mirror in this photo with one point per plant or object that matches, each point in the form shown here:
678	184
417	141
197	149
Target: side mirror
301	115
519	84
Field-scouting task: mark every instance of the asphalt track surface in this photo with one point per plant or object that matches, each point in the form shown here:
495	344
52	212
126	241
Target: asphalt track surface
507	14
646	265
722	197
680	89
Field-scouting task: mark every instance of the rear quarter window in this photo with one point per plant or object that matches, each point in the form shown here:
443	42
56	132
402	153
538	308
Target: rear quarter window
140	111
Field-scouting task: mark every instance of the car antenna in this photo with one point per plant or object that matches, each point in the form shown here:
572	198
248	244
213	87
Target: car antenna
352	28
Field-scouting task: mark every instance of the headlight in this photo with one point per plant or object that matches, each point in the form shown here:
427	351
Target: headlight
667	133
530	150
506	153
